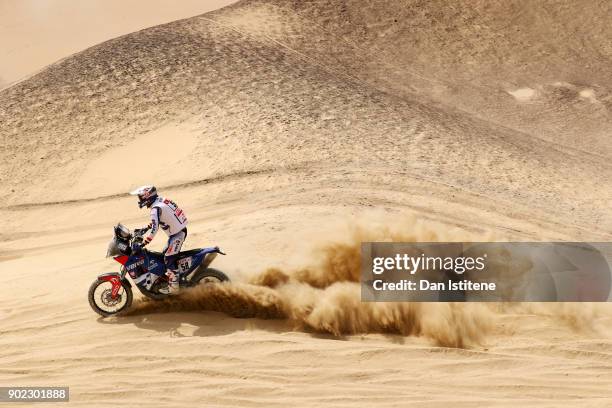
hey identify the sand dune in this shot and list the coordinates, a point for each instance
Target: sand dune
(281, 127)
(273, 107)
(36, 33)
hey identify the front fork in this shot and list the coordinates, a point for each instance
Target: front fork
(116, 280)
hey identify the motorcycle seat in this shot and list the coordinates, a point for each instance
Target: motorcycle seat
(191, 252)
(181, 254)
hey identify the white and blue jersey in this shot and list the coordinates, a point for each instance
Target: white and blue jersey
(165, 214)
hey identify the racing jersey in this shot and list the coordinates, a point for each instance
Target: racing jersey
(165, 214)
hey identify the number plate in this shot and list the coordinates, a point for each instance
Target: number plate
(184, 264)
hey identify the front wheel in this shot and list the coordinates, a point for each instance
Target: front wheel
(209, 275)
(102, 302)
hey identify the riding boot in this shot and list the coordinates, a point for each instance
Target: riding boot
(173, 283)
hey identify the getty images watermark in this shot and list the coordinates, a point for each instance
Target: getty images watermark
(486, 271)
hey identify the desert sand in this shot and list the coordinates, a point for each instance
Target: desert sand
(290, 132)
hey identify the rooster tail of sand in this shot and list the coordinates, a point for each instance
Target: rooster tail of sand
(324, 296)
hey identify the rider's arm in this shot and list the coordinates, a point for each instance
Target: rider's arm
(154, 225)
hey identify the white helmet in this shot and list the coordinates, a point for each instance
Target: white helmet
(146, 195)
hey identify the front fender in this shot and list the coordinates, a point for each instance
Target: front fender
(106, 277)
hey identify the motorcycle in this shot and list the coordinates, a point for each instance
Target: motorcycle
(111, 293)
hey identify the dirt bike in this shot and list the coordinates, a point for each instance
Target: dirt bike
(111, 293)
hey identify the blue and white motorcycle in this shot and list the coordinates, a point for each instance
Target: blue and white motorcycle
(111, 293)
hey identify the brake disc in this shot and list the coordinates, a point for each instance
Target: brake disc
(107, 298)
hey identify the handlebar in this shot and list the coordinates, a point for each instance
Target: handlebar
(139, 232)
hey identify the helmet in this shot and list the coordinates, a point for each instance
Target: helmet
(146, 195)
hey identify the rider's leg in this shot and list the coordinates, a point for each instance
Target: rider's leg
(172, 274)
(175, 242)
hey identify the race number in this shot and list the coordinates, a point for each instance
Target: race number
(184, 264)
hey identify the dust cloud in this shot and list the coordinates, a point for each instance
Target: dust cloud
(324, 297)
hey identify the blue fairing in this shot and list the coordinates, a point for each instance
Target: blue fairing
(156, 264)
(153, 262)
(144, 262)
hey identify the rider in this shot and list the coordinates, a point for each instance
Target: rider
(167, 215)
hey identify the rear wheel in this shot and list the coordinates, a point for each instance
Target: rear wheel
(102, 302)
(209, 275)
